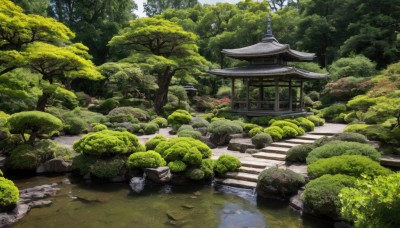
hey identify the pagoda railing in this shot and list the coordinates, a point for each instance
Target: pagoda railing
(267, 105)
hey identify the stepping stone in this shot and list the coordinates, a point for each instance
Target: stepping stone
(311, 137)
(254, 164)
(390, 160)
(236, 183)
(252, 170)
(300, 141)
(274, 149)
(271, 156)
(242, 176)
(283, 144)
(322, 133)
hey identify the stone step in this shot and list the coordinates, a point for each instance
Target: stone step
(266, 163)
(321, 133)
(274, 149)
(271, 156)
(299, 141)
(283, 144)
(251, 170)
(310, 137)
(390, 160)
(242, 176)
(236, 183)
(254, 164)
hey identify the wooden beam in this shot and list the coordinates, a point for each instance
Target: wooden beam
(276, 108)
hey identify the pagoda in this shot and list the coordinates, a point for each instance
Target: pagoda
(269, 85)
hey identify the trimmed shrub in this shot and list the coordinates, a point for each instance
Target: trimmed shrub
(138, 113)
(337, 148)
(9, 195)
(160, 121)
(177, 166)
(106, 106)
(318, 121)
(261, 120)
(99, 127)
(195, 174)
(299, 153)
(107, 142)
(153, 142)
(74, 125)
(373, 203)
(261, 139)
(82, 163)
(190, 133)
(122, 118)
(107, 169)
(306, 124)
(207, 166)
(321, 194)
(255, 131)
(289, 132)
(149, 128)
(226, 163)
(351, 165)
(149, 159)
(284, 123)
(276, 182)
(200, 122)
(29, 157)
(178, 118)
(351, 137)
(249, 126)
(225, 127)
(34, 123)
(333, 111)
(275, 132)
(185, 127)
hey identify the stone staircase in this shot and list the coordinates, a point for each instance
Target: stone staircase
(272, 155)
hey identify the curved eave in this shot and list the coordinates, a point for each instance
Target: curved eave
(266, 49)
(267, 71)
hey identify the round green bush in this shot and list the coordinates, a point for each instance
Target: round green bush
(177, 166)
(351, 137)
(160, 121)
(224, 127)
(149, 128)
(9, 195)
(226, 163)
(275, 132)
(276, 182)
(261, 139)
(179, 117)
(138, 113)
(195, 174)
(261, 120)
(106, 106)
(318, 121)
(29, 157)
(122, 118)
(351, 165)
(322, 194)
(306, 124)
(153, 142)
(338, 148)
(107, 169)
(289, 132)
(200, 122)
(190, 133)
(149, 159)
(284, 123)
(249, 126)
(357, 128)
(82, 163)
(185, 127)
(74, 126)
(299, 153)
(207, 166)
(99, 127)
(107, 142)
(255, 131)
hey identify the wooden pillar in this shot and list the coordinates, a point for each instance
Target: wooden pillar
(233, 94)
(261, 96)
(301, 95)
(290, 95)
(276, 109)
(247, 95)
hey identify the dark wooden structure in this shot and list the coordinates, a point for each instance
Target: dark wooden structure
(280, 86)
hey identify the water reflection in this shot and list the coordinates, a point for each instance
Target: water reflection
(235, 215)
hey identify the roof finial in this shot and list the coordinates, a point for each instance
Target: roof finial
(269, 36)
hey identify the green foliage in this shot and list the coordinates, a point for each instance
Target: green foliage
(322, 194)
(249, 126)
(160, 121)
(226, 163)
(179, 117)
(350, 137)
(200, 122)
(275, 132)
(207, 166)
(149, 128)
(177, 166)
(148, 159)
(185, 127)
(107, 169)
(138, 113)
(261, 120)
(74, 125)
(351, 165)
(195, 174)
(224, 127)
(289, 132)
(34, 123)
(106, 106)
(299, 153)
(153, 142)
(9, 195)
(189, 133)
(372, 203)
(338, 148)
(99, 127)
(333, 111)
(255, 131)
(356, 66)
(318, 121)
(82, 163)
(122, 118)
(278, 182)
(286, 123)
(357, 128)
(261, 139)
(29, 157)
(306, 124)
(107, 142)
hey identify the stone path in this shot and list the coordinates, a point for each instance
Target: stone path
(273, 155)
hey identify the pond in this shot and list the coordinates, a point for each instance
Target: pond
(90, 204)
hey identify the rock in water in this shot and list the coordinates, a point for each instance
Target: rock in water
(137, 184)
(158, 175)
(55, 165)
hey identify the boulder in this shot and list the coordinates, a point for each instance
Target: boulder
(55, 165)
(208, 142)
(220, 140)
(158, 175)
(251, 151)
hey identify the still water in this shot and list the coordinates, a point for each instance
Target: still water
(90, 204)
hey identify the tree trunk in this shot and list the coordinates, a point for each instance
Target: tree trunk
(41, 104)
(161, 97)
